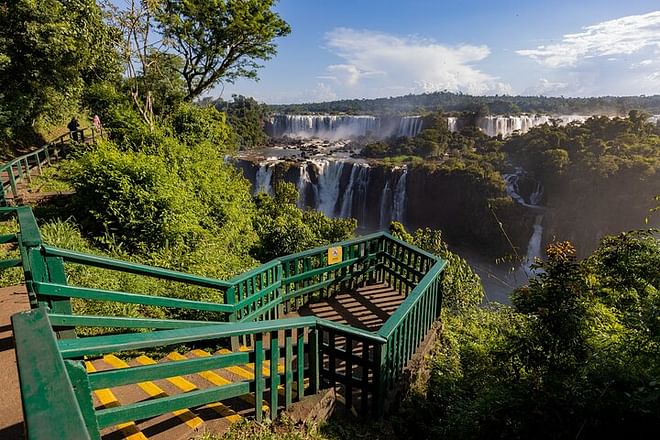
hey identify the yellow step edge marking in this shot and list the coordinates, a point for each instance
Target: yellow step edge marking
(186, 385)
(248, 368)
(153, 390)
(266, 368)
(108, 400)
(219, 380)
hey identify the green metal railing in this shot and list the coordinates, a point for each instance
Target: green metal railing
(18, 169)
(250, 311)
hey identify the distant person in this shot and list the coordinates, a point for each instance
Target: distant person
(73, 126)
(97, 124)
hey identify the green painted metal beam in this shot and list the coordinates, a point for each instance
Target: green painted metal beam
(155, 407)
(124, 376)
(404, 308)
(6, 264)
(97, 345)
(30, 235)
(50, 406)
(120, 322)
(139, 269)
(60, 290)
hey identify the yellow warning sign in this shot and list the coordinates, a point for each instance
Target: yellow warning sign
(334, 255)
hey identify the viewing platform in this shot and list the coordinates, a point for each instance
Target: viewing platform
(346, 317)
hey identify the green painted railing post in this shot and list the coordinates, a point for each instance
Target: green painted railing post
(274, 374)
(19, 167)
(259, 377)
(12, 182)
(46, 150)
(27, 170)
(56, 273)
(83, 393)
(230, 298)
(50, 406)
(314, 358)
(380, 382)
(300, 364)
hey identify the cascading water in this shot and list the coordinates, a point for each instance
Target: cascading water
(452, 124)
(323, 126)
(534, 246)
(329, 180)
(507, 125)
(304, 185)
(399, 199)
(512, 181)
(264, 178)
(333, 127)
(385, 206)
(355, 196)
(410, 126)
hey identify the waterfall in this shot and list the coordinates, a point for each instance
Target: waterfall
(410, 126)
(508, 125)
(535, 198)
(323, 126)
(399, 199)
(264, 179)
(305, 183)
(452, 124)
(511, 181)
(534, 246)
(329, 172)
(385, 206)
(356, 192)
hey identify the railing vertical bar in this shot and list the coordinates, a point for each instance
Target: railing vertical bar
(314, 379)
(258, 376)
(274, 374)
(300, 362)
(288, 368)
(364, 403)
(349, 372)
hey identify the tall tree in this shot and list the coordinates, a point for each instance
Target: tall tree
(49, 51)
(219, 40)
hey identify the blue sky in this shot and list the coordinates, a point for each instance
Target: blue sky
(363, 48)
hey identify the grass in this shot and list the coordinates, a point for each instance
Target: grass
(338, 428)
(51, 180)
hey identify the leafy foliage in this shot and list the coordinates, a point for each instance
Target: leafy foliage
(219, 40)
(284, 229)
(49, 52)
(247, 118)
(576, 356)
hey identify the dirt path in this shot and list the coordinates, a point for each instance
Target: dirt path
(13, 299)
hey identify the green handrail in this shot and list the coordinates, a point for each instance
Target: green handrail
(50, 407)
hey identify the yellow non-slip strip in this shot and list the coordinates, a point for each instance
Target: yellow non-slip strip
(247, 370)
(180, 382)
(155, 391)
(216, 379)
(108, 400)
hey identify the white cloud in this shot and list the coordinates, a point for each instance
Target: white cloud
(383, 61)
(622, 36)
(547, 87)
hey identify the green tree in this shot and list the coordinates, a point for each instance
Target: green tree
(285, 229)
(49, 52)
(247, 118)
(219, 40)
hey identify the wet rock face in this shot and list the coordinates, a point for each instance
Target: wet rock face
(456, 202)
